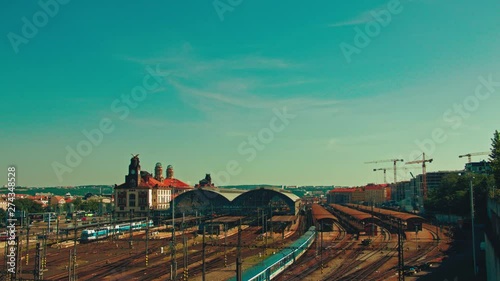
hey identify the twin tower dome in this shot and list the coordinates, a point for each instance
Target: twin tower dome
(159, 172)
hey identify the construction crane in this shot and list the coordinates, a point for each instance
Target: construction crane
(385, 170)
(424, 176)
(388, 169)
(473, 154)
(395, 161)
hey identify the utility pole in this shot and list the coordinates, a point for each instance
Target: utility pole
(44, 256)
(416, 236)
(401, 263)
(57, 231)
(147, 239)
(238, 258)
(18, 256)
(173, 272)
(271, 221)
(203, 268)
(130, 230)
(373, 224)
(38, 273)
(473, 227)
(185, 249)
(264, 230)
(321, 247)
(225, 244)
(70, 264)
(48, 225)
(73, 264)
(27, 240)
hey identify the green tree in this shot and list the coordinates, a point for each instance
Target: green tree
(90, 205)
(28, 205)
(453, 195)
(77, 203)
(495, 157)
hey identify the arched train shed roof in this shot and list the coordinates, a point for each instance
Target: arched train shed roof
(262, 196)
(200, 198)
(357, 214)
(219, 198)
(320, 213)
(388, 213)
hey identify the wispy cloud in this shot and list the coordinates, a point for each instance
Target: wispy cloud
(189, 62)
(221, 87)
(359, 19)
(248, 100)
(292, 83)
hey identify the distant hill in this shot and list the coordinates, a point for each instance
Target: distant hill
(250, 186)
(74, 190)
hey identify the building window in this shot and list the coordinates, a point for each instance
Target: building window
(131, 200)
(122, 199)
(143, 199)
(122, 208)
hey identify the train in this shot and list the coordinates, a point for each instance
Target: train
(97, 233)
(277, 263)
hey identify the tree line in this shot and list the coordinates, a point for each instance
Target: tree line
(453, 194)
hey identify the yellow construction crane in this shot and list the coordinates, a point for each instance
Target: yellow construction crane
(473, 154)
(395, 161)
(424, 175)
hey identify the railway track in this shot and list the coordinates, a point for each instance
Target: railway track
(310, 262)
(108, 260)
(428, 252)
(356, 258)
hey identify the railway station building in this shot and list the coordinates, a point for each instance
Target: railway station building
(143, 192)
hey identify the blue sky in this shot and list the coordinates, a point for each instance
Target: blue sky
(222, 77)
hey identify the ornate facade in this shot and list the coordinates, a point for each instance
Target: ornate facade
(143, 192)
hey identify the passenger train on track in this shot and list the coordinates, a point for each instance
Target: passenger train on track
(277, 263)
(93, 234)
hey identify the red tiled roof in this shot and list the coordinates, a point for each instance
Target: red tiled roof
(343, 190)
(176, 184)
(150, 182)
(376, 187)
(37, 197)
